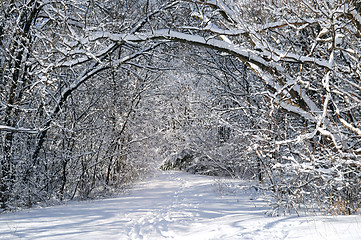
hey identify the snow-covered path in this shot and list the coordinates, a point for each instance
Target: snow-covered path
(172, 205)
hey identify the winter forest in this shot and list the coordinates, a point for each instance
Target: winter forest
(94, 94)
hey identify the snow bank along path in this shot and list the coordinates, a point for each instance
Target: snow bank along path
(172, 205)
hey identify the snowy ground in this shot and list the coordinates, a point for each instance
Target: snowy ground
(172, 205)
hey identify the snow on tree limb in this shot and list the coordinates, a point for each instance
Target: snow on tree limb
(245, 54)
(264, 67)
(18, 130)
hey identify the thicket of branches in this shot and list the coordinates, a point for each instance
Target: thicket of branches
(70, 116)
(93, 91)
(296, 119)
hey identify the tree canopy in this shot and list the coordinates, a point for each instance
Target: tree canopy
(92, 92)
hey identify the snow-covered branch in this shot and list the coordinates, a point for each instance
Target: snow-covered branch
(18, 130)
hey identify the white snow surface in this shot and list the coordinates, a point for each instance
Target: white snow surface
(174, 205)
